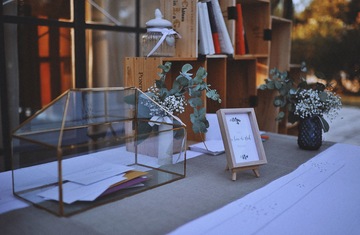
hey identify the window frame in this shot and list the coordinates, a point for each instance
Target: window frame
(79, 26)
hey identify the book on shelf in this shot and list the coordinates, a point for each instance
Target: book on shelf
(224, 38)
(213, 27)
(206, 45)
(240, 47)
(203, 41)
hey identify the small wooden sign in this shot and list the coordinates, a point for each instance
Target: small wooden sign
(242, 141)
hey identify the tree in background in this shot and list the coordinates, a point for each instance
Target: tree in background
(327, 36)
(350, 44)
(282, 8)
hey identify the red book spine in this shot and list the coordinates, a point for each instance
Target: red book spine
(214, 30)
(240, 38)
(216, 41)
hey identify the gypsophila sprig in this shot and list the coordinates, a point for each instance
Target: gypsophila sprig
(302, 100)
(172, 104)
(314, 102)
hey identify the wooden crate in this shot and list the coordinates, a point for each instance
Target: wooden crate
(141, 72)
(256, 20)
(266, 112)
(280, 43)
(240, 86)
(262, 70)
(183, 15)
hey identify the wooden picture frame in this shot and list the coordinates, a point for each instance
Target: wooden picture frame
(242, 141)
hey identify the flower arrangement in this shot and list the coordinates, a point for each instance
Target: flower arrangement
(174, 100)
(170, 105)
(301, 99)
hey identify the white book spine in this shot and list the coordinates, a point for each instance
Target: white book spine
(203, 42)
(224, 38)
(208, 29)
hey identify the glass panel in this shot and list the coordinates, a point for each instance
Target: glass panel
(38, 67)
(52, 9)
(9, 7)
(120, 12)
(45, 65)
(12, 73)
(106, 53)
(55, 59)
(95, 139)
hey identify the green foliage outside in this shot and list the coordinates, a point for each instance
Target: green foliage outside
(327, 36)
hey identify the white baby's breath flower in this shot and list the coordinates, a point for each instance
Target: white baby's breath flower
(310, 104)
(174, 104)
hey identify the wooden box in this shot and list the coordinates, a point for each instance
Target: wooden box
(183, 15)
(280, 43)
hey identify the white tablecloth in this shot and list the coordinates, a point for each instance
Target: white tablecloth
(320, 197)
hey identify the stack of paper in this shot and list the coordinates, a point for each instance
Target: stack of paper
(212, 147)
(93, 182)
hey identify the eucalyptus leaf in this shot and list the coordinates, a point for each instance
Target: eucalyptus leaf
(167, 67)
(202, 113)
(283, 91)
(176, 86)
(193, 117)
(263, 87)
(186, 68)
(292, 91)
(278, 85)
(195, 92)
(323, 96)
(278, 101)
(159, 84)
(201, 73)
(325, 124)
(283, 76)
(270, 85)
(212, 94)
(195, 102)
(280, 116)
(199, 127)
(183, 81)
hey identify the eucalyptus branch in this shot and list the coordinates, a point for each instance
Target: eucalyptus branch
(301, 99)
(185, 82)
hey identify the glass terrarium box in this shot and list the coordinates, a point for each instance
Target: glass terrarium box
(93, 146)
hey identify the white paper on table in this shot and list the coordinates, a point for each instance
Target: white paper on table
(97, 173)
(320, 197)
(76, 192)
(213, 132)
(210, 147)
(46, 174)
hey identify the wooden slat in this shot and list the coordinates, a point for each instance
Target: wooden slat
(183, 15)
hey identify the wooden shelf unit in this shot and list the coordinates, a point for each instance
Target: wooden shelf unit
(279, 58)
(235, 77)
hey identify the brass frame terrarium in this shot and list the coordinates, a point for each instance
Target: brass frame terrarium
(88, 136)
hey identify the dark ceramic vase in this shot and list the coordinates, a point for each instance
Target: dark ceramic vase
(310, 133)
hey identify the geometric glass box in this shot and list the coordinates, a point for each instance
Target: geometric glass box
(93, 146)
